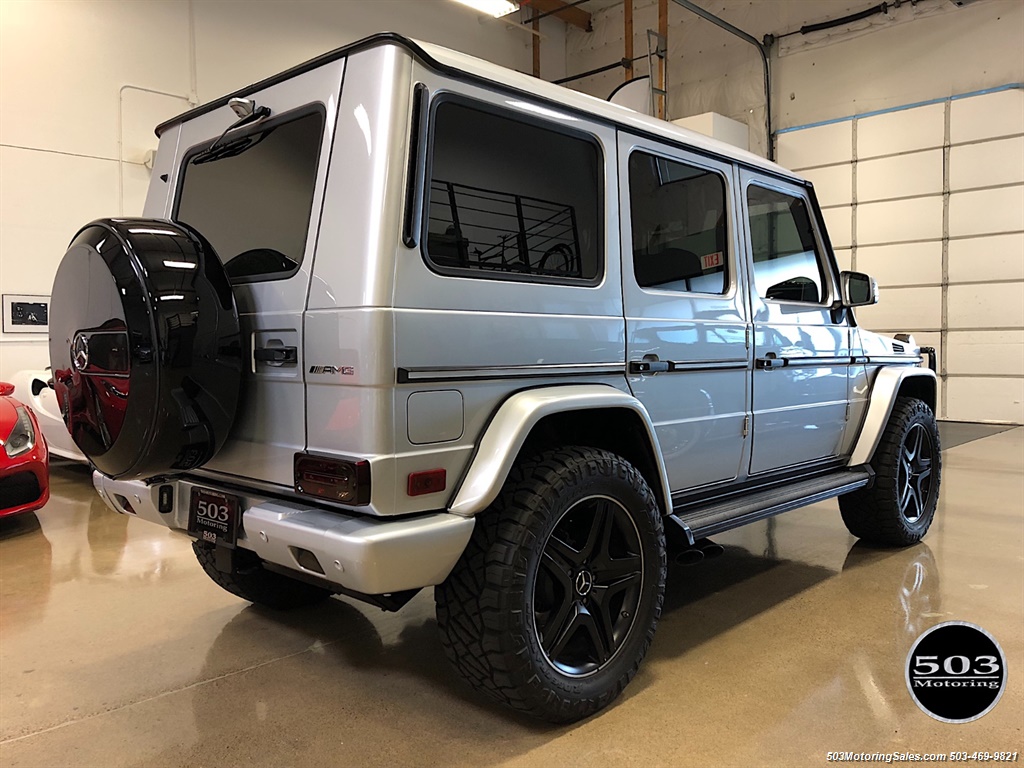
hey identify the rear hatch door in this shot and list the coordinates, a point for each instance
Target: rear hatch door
(255, 192)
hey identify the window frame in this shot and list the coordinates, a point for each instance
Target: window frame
(729, 275)
(823, 254)
(275, 121)
(440, 98)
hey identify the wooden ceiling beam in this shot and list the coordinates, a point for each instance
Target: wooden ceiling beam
(569, 14)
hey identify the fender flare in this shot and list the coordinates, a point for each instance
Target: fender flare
(884, 391)
(515, 419)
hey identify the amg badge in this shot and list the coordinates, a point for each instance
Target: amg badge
(344, 370)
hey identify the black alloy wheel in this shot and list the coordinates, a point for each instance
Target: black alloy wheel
(587, 590)
(914, 478)
(898, 508)
(554, 602)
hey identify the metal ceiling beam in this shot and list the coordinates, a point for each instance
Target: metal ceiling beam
(567, 12)
(762, 49)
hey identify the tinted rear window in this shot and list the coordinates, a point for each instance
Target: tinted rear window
(251, 197)
(678, 218)
(512, 199)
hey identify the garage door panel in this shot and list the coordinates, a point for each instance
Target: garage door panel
(999, 257)
(839, 222)
(986, 164)
(904, 176)
(989, 352)
(903, 264)
(987, 305)
(833, 185)
(905, 309)
(902, 131)
(986, 211)
(985, 399)
(844, 258)
(899, 221)
(824, 145)
(982, 117)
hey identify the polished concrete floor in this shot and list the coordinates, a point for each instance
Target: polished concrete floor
(116, 650)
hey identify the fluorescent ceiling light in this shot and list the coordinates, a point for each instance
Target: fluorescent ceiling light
(495, 8)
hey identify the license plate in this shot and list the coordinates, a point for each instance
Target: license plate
(213, 517)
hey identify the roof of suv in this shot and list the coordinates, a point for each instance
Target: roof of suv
(562, 99)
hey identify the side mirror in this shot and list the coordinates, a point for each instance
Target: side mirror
(858, 289)
(6, 389)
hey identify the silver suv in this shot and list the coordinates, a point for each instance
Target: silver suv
(398, 318)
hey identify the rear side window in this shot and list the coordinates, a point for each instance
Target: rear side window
(678, 220)
(510, 199)
(251, 196)
(787, 264)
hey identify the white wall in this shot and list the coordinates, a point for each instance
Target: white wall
(930, 49)
(83, 83)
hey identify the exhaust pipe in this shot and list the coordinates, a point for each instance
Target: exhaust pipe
(702, 549)
(709, 549)
(690, 556)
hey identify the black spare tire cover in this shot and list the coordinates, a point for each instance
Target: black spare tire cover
(144, 347)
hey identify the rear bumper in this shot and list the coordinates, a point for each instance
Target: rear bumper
(369, 555)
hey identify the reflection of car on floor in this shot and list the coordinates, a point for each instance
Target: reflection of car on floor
(24, 460)
(32, 387)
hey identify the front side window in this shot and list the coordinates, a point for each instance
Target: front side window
(251, 196)
(678, 220)
(787, 263)
(509, 199)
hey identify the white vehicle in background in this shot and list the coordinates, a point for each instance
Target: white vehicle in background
(32, 387)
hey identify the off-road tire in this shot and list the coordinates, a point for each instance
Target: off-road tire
(486, 607)
(250, 581)
(879, 514)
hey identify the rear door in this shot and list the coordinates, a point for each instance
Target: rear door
(686, 323)
(801, 348)
(257, 197)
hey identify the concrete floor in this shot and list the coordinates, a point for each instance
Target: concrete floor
(116, 650)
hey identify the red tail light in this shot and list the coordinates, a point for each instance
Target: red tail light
(430, 481)
(332, 479)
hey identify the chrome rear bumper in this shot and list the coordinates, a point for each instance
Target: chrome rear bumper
(366, 554)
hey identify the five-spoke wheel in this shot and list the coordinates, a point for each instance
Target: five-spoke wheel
(554, 603)
(899, 507)
(588, 586)
(915, 472)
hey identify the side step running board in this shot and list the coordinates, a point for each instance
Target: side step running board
(731, 513)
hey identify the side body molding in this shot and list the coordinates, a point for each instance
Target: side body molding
(514, 420)
(883, 396)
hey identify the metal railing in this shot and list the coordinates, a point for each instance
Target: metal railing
(475, 228)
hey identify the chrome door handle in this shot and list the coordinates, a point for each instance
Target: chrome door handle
(770, 361)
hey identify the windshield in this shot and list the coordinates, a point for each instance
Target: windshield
(251, 197)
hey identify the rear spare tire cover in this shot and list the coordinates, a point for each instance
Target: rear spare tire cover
(144, 347)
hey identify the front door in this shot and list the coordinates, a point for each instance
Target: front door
(686, 330)
(801, 351)
(255, 193)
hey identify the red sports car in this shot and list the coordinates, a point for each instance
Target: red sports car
(24, 460)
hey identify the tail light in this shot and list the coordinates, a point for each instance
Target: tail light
(330, 479)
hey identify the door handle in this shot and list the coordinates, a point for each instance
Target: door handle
(279, 355)
(649, 366)
(770, 361)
